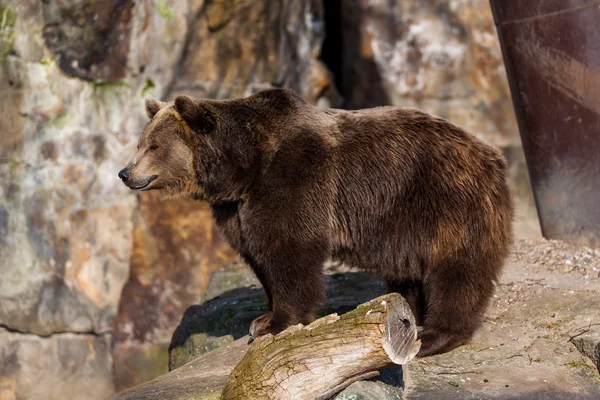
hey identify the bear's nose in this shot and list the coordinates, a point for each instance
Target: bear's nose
(124, 174)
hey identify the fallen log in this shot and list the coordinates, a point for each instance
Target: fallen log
(303, 362)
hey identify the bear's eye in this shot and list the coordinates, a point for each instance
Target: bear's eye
(154, 147)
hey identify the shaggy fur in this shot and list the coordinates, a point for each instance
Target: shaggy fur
(393, 191)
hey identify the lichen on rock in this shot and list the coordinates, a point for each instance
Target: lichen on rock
(8, 17)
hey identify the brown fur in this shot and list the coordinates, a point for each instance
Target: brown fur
(393, 191)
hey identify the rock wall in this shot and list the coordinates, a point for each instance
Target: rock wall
(59, 366)
(84, 262)
(175, 248)
(72, 79)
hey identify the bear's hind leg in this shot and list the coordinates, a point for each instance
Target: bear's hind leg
(412, 291)
(457, 296)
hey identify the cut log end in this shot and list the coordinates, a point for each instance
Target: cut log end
(401, 343)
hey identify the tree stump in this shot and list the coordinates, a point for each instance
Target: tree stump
(303, 362)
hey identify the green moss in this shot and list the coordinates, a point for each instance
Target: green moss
(15, 166)
(225, 323)
(9, 15)
(104, 86)
(47, 61)
(556, 324)
(149, 86)
(577, 364)
(254, 308)
(163, 9)
(8, 18)
(62, 120)
(89, 34)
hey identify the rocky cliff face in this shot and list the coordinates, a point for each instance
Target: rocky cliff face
(72, 75)
(83, 261)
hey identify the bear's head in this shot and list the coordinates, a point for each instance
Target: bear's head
(200, 149)
(164, 160)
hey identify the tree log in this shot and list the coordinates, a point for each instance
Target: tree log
(319, 360)
(311, 362)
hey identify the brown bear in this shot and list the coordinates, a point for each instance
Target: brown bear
(394, 191)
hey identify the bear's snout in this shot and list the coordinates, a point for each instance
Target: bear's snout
(124, 175)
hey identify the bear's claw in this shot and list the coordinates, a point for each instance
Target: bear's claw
(260, 326)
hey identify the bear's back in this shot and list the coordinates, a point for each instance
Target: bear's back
(418, 184)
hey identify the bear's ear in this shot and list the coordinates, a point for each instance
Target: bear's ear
(153, 106)
(197, 116)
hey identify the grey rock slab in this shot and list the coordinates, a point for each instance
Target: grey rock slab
(202, 378)
(588, 344)
(61, 366)
(367, 390)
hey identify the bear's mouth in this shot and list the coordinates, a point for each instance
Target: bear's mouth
(143, 184)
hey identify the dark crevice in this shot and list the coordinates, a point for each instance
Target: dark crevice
(356, 75)
(332, 49)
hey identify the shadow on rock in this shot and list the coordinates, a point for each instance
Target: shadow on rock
(206, 326)
(228, 316)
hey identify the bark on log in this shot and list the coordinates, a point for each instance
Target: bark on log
(312, 362)
(319, 360)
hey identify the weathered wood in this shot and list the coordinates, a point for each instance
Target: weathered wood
(321, 359)
(311, 362)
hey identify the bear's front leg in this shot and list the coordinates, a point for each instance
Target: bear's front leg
(286, 235)
(297, 290)
(292, 277)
